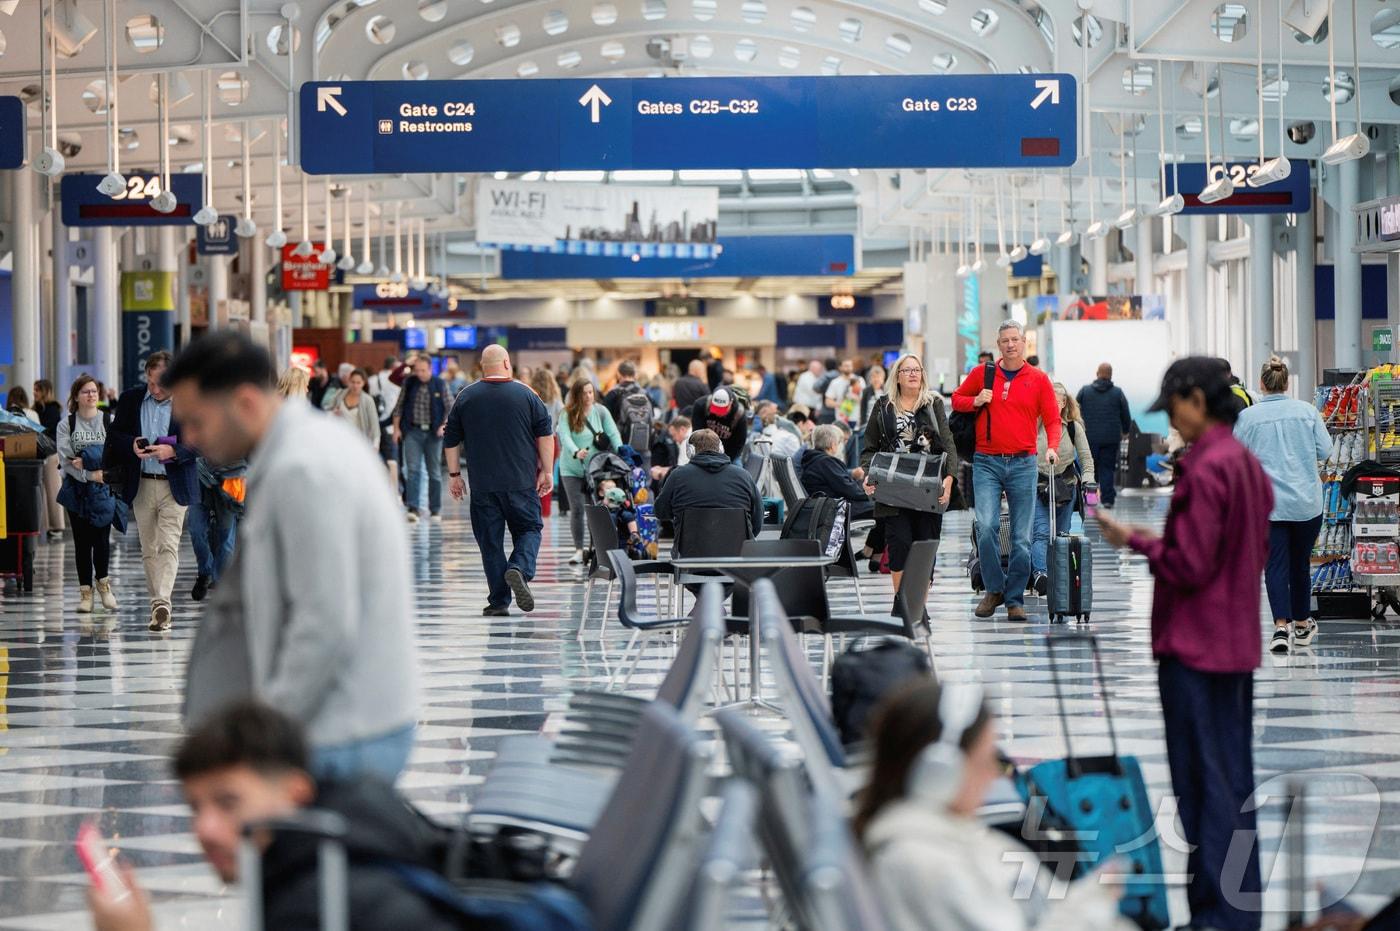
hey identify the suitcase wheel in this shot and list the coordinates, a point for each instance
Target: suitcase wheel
(1083, 618)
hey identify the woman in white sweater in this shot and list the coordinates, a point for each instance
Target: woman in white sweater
(355, 405)
(936, 865)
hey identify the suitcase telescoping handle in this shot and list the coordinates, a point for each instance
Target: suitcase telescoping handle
(1050, 506)
(1074, 765)
(333, 886)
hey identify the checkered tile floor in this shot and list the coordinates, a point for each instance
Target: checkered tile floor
(89, 712)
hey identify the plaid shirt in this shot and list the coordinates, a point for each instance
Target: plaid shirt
(422, 414)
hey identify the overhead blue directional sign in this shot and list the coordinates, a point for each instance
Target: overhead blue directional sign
(217, 238)
(1291, 195)
(85, 205)
(12, 132)
(888, 121)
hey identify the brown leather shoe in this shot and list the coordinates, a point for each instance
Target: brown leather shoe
(988, 605)
(1016, 613)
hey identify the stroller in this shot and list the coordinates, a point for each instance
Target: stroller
(624, 466)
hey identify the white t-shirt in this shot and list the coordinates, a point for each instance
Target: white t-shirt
(837, 390)
(805, 392)
(381, 387)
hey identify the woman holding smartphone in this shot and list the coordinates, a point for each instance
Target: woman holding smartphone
(91, 506)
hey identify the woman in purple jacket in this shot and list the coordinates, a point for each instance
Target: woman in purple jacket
(1205, 636)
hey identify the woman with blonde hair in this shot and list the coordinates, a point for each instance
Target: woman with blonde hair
(547, 387)
(1073, 471)
(584, 429)
(910, 418)
(294, 383)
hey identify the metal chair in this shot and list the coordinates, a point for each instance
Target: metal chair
(910, 603)
(603, 532)
(638, 621)
(836, 889)
(707, 532)
(637, 860)
(728, 854)
(786, 471)
(845, 567)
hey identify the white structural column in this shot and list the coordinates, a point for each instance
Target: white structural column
(1304, 299)
(294, 305)
(24, 225)
(182, 292)
(62, 303)
(1347, 268)
(1142, 258)
(103, 312)
(217, 266)
(1098, 266)
(1261, 293)
(1197, 268)
(257, 275)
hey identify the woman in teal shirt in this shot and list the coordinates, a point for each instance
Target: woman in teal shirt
(1288, 438)
(581, 424)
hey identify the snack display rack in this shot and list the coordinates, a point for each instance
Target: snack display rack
(1356, 560)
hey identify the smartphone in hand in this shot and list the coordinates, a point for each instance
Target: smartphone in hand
(142, 442)
(100, 862)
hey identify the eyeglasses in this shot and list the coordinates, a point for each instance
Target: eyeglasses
(909, 371)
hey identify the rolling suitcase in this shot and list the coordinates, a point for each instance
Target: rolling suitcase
(1070, 565)
(974, 560)
(1104, 799)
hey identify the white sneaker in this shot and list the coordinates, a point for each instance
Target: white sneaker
(1303, 636)
(413, 517)
(436, 518)
(577, 558)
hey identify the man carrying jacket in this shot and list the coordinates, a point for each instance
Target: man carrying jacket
(158, 479)
(1104, 410)
(1009, 415)
(710, 480)
(250, 763)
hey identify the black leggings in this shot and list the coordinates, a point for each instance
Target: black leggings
(92, 546)
(904, 528)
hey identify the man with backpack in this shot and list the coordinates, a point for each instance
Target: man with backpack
(631, 408)
(1008, 403)
(1104, 409)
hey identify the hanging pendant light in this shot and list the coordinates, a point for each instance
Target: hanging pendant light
(277, 238)
(165, 201)
(1170, 203)
(328, 252)
(1041, 244)
(246, 228)
(1357, 145)
(304, 248)
(1221, 187)
(1270, 170)
(1018, 251)
(207, 214)
(366, 267)
(397, 275)
(347, 261)
(112, 183)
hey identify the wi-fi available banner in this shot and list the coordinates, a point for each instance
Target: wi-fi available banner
(533, 213)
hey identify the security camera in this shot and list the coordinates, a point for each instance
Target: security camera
(277, 239)
(1347, 149)
(1019, 253)
(327, 254)
(1040, 246)
(112, 185)
(1217, 190)
(206, 216)
(346, 263)
(245, 228)
(1169, 206)
(164, 202)
(365, 268)
(1271, 171)
(49, 162)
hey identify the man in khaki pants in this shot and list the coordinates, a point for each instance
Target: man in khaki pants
(158, 479)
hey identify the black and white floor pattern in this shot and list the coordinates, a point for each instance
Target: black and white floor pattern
(89, 713)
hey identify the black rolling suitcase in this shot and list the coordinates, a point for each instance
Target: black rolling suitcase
(1070, 565)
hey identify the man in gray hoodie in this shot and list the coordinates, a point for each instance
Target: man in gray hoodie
(323, 633)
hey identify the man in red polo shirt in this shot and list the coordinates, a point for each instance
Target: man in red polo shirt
(1009, 415)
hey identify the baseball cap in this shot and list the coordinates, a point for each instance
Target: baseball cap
(1183, 376)
(720, 402)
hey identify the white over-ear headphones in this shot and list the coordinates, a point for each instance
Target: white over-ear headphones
(937, 771)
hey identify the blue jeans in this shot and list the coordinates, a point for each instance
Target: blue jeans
(212, 532)
(1040, 541)
(384, 757)
(422, 449)
(1014, 476)
(1287, 576)
(494, 512)
(1209, 720)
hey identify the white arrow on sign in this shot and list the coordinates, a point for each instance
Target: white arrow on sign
(593, 98)
(1049, 89)
(330, 97)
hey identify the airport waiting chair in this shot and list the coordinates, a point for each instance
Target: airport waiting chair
(837, 892)
(644, 624)
(603, 533)
(706, 532)
(910, 604)
(638, 859)
(729, 853)
(560, 788)
(788, 482)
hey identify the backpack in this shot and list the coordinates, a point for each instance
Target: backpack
(861, 677)
(380, 407)
(964, 425)
(819, 518)
(634, 421)
(493, 905)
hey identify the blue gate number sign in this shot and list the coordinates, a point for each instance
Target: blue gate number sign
(12, 132)
(85, 205)
(1291, 195)
(888, 121)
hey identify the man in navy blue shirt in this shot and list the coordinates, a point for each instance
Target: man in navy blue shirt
(507, 437)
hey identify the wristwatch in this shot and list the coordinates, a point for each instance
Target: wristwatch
(454, 474)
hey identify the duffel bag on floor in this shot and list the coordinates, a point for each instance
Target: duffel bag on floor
(861, 677)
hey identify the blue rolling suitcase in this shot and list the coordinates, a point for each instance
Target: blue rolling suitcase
(1104, 800)
(1070, 566)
